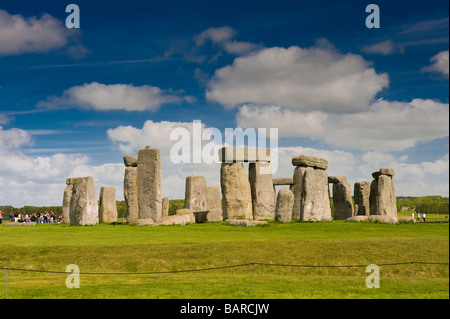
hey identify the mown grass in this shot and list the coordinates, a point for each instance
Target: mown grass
(130, 249)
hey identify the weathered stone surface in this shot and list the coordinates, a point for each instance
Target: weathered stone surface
(195, 193)
(282, 181)
(130, 193)
(260, 177)
(182, 217)
(213, 198)
(214, 215)
(201, 217)
(382, 196)
(285, 202)
(383, 171)
(315, 200)
(66, 203)
(335, 179)
(83, 201)
(297, 190)
(310, 161)
(130, 161)
(383, 219)
(245, 222)
(236, 192)
(108, 208)
(149, 184)
(244, 154)
(361, 194)
(406, 219)
(342, 199)
(165, 207)
(358, 219)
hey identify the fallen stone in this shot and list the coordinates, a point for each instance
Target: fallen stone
(285, 202)
(358, 219)
(383, 219)
(20, 224)
(310, 161)
(406, 219)
(245, 222)
(214, 215)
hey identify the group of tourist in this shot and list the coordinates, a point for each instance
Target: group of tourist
(43, 218)
(418, 216)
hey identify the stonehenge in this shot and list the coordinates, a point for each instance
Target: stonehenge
(242, 198)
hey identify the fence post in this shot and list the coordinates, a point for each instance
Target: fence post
(251, 277)
(412, 276)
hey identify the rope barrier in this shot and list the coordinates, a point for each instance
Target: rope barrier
(223, 267)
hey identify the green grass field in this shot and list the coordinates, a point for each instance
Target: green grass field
(129, 249)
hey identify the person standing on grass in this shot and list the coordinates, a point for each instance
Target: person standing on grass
(1, 217)
(423, 216)
(412, 214)
(418, 217)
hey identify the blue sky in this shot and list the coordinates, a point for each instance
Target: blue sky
(74, 101)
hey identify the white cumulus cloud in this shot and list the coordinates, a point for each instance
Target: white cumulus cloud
(313, 79)
(104, 97)
(439, 63)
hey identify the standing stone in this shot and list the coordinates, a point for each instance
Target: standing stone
(213, 204)
(130, 194)
(66, 204)
(382, 193)
(342, 199)
(285, 202)
(195, 193)
(149, 184)
(361, 194)
(213, 199)
(315, 200)
(83, 201)
(236, 192)
(260, 177)
(108, 208)
(165, 207)
(297, 190)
